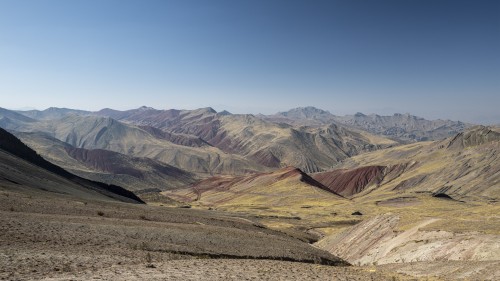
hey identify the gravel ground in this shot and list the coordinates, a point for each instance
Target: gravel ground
(222, 269)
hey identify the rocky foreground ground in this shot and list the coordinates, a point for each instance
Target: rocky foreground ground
(59, 238)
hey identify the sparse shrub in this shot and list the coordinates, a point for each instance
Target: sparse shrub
(66, 267)
(12, 209)
(149, 261)
(144, 247)
(100, 213)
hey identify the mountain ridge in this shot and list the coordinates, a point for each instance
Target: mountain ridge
(133, 173)
(402, 127)
(12, 145)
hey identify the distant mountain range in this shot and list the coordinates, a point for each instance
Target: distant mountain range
(201, 141)
(400, 127)
(52, 113)
(148, 149)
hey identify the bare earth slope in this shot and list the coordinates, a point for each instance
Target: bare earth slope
(22, 169)
(349, 182)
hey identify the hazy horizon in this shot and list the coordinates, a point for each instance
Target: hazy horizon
(222, 108)
(433, 59)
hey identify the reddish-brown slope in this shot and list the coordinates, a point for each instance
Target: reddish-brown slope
(220, 183)
(116, 163)
(352, 181)
(102, 160)
(291, 172)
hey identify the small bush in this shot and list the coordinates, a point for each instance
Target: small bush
(100, 213)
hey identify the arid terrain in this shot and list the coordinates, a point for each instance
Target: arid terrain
(250, 140)
(46, 237)
(151, 194)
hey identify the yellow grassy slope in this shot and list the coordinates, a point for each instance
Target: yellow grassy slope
(278, 199)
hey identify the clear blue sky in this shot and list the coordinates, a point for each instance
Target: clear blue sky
(432, 58)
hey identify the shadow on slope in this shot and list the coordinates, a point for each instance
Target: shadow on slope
(12, 145)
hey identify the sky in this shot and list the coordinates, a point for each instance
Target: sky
(431, 58)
